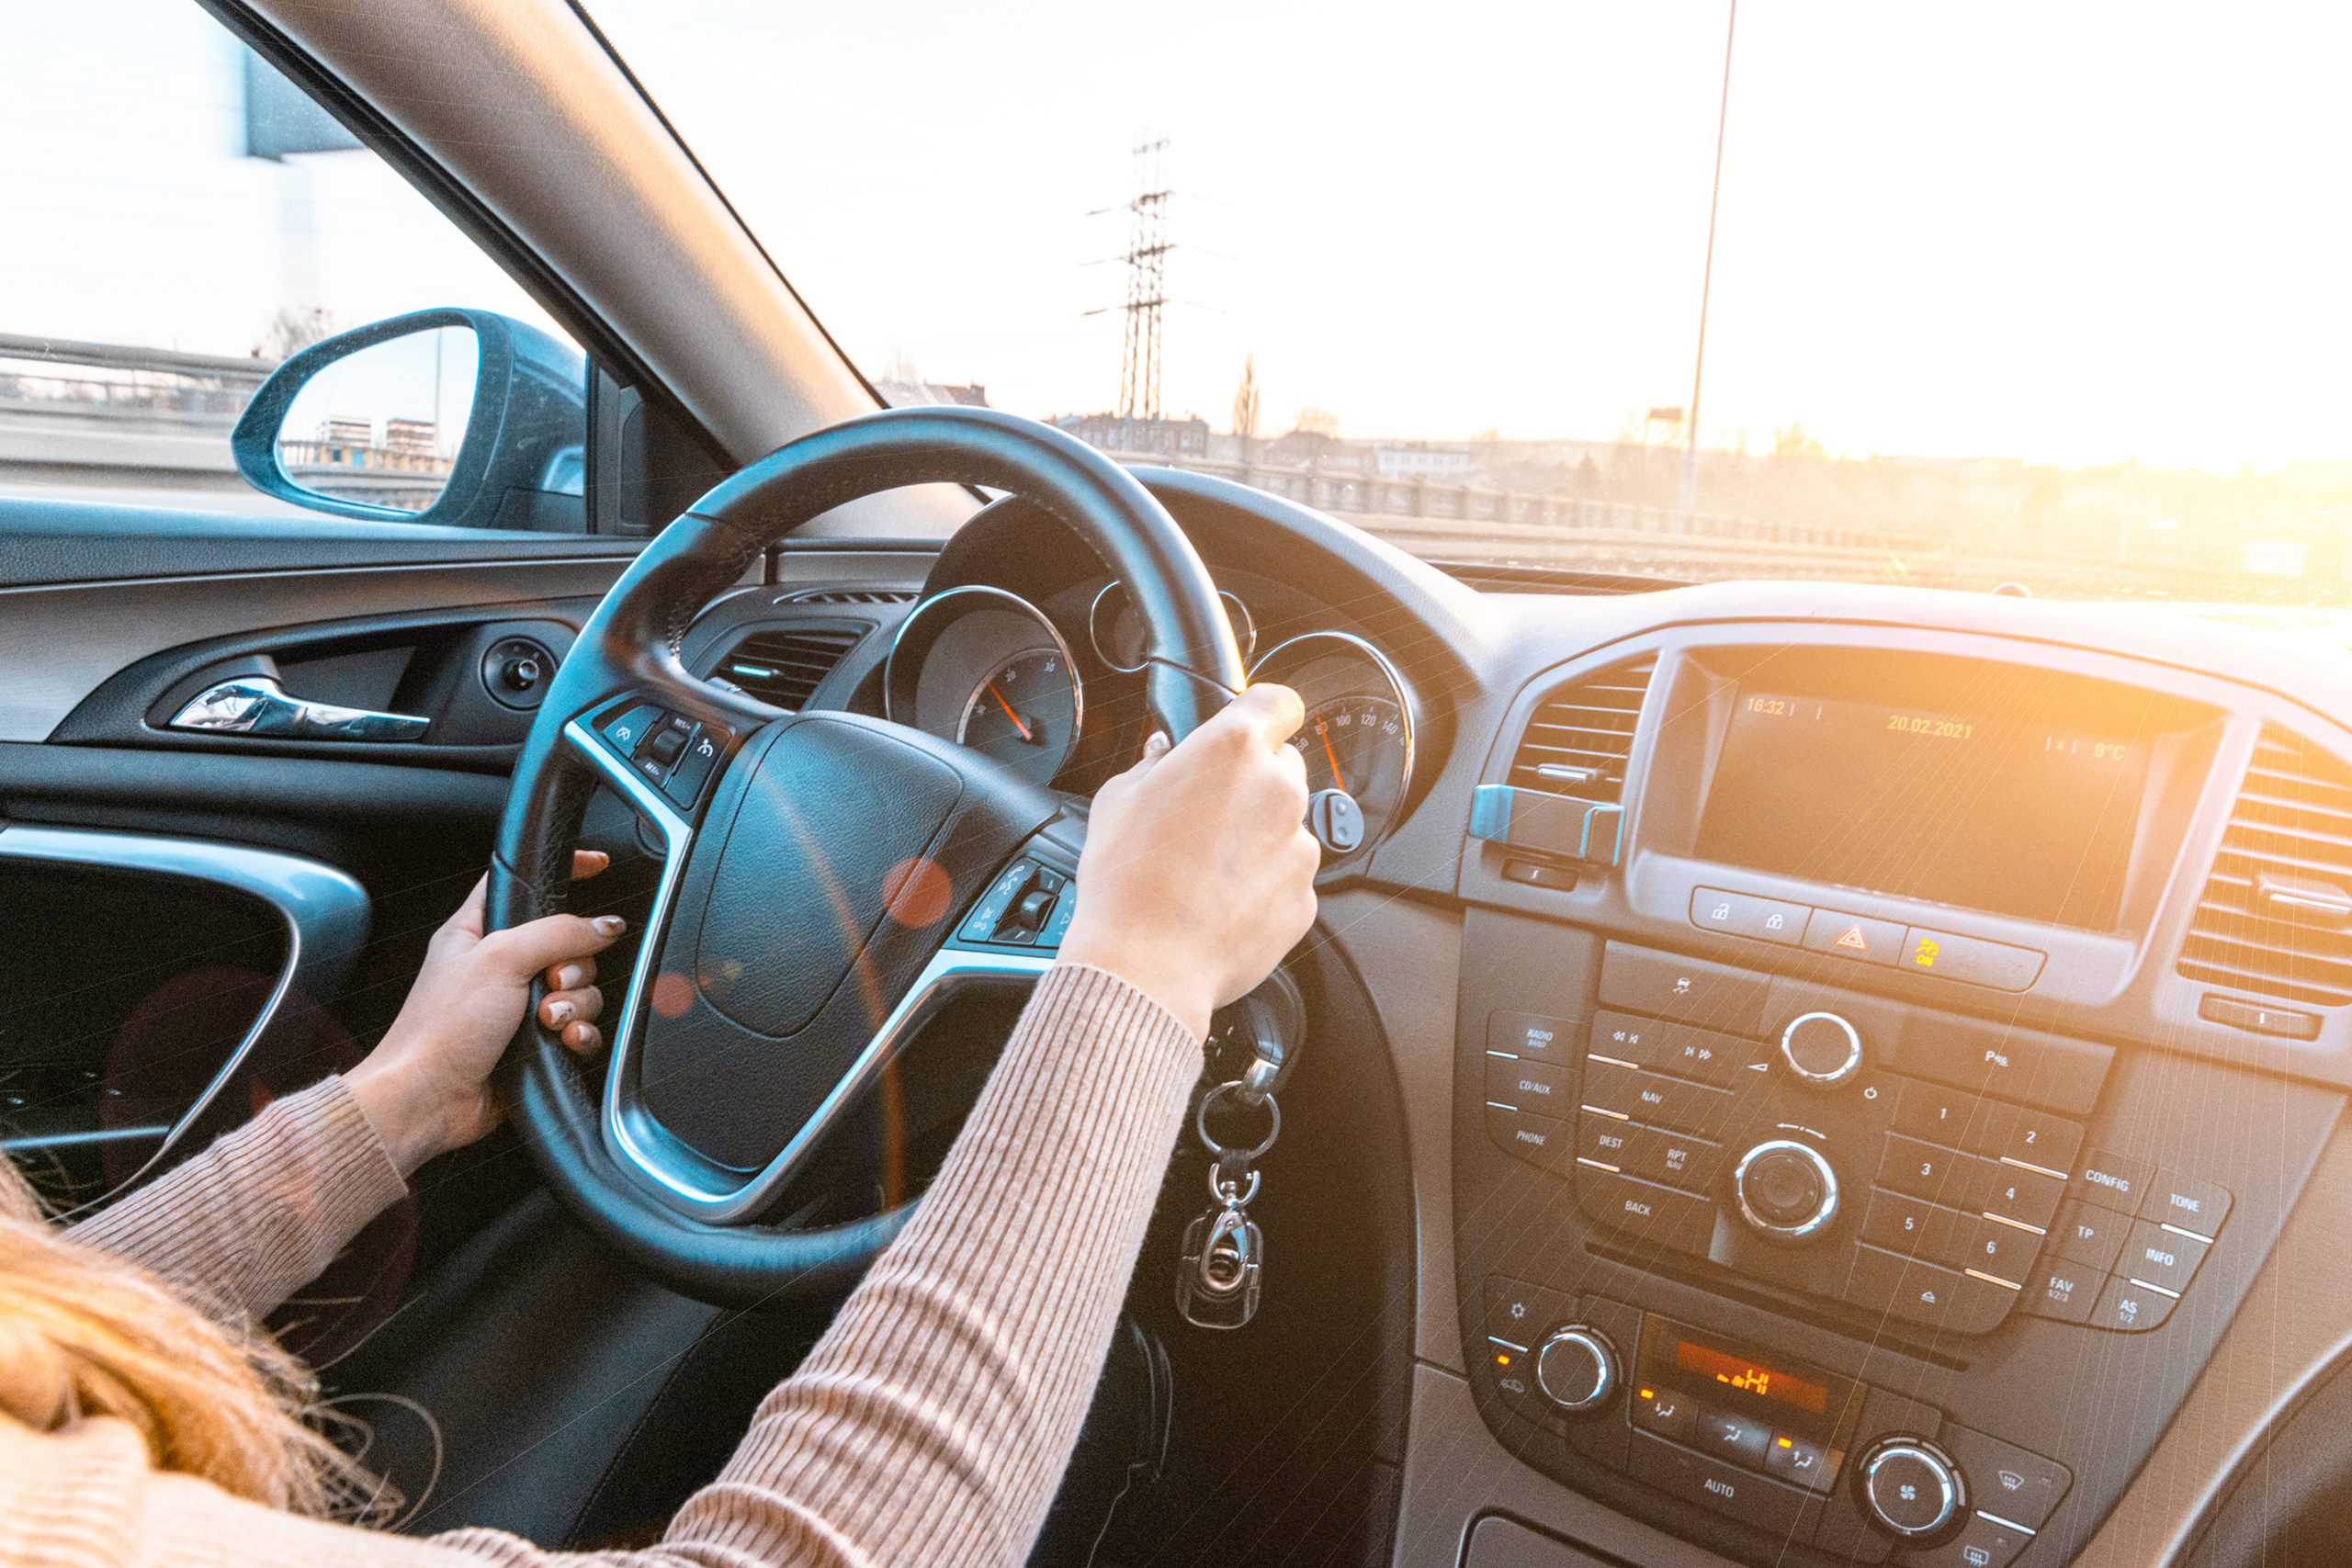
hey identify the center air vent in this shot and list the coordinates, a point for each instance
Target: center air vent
(1580, 736)
(784, 668)
(848, 596)
(2276, 914)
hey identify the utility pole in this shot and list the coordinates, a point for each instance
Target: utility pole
(1707, 280)
(1147, 260)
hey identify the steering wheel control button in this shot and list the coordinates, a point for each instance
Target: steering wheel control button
(1786, 1189)
(1745, 914)
(1713, 996)
(1821, 1049)
(1857, 937)
(2007, 1481)
(1719, 1488)
(1912, 1490)
(695, 762)
(1577, 1368)
(1700, 1054)
(628, 731)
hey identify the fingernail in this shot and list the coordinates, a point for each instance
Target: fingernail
(559, 1014)
(567, 976)
(611, 925)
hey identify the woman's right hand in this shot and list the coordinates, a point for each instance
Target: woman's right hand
(1199, 872)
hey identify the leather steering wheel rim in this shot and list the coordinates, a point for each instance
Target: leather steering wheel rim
(630, 644)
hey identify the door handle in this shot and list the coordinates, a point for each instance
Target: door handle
(257, 704)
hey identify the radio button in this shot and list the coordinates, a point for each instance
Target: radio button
(2002, 1479)
(1713, 996)
(2110, 1181)
(1538, 1087)
(1663, 1411)
(1538, 1140)
(2158, 1257)
(1719, 1488)
(2184, 1201)
(1534, 1035)
(1655, 1098)
(1926, 1294)
(1745, 914)
(2130, 1307)
(2012, 1192)
(1854, 936)
(2064, 1293)
(1677, 1048)
(1659, 1216)
(2092, 1237)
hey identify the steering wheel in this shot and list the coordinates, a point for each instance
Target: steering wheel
(818, 865)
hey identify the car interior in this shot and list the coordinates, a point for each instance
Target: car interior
(1786, 1072)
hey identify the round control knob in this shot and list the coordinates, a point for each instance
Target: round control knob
(1821, 1049)
(520, 674)
(1576, 1368)
(1786, 1189)
(1911, 1488)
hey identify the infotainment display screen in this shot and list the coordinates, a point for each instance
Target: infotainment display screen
(2005, 803)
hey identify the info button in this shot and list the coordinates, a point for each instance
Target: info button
(1854, 936)
(1745, 914)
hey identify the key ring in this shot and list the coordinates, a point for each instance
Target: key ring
(1220, 1193)
(1235, 1087)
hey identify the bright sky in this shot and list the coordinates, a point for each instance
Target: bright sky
(2071, 232)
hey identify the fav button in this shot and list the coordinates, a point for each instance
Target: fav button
(1745, 914)
(1854, 936)
(2064, 1292)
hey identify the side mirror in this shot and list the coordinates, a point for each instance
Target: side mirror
(451, 416)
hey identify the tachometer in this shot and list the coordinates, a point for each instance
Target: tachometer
(987, 670)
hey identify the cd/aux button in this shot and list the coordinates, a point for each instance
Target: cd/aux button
(1529, 1084)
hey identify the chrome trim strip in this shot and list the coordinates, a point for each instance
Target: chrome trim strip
(635, 1140)
(1600, 1111)
(2038, 1170)
(1992, 1278)
(1598, 1165)
(1612, 1061)
(2014, 1224)
(2004, 1524)
(324, 911)
(2189, 1235)
(2158, 1289)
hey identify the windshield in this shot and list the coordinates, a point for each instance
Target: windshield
(1992, 293)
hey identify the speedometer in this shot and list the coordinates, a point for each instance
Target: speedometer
(1358, 734)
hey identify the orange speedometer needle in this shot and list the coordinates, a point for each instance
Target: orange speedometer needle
(1323, 732)
(1017, 722)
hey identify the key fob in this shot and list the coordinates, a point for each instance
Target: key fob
(1219, 1272)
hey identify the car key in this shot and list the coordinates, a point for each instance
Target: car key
(1221, 1264)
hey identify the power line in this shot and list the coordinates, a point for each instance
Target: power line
(1145, 259)
(1707, 280)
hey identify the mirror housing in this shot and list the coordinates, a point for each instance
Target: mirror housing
(523, 462)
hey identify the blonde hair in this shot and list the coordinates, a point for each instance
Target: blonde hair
(84, 1335)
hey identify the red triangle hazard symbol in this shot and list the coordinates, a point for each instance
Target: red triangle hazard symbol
(1855, 939)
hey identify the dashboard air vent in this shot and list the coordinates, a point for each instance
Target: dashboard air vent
(2276, 914)
(1580, 736)
(848, 596)
(783, 666)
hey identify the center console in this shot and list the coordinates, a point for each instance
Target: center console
(1849, 1167)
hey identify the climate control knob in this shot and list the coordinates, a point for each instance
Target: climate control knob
(1911, 1488)
(1577, 1368)
(1821, 1049)
(1786, 1189)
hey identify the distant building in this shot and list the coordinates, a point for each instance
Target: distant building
(1421, 461)
(1153, 437)
(1301, 447)
(422, 437)
(932, 394)
(342, 429)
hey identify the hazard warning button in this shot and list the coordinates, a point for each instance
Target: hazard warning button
(1855, 936)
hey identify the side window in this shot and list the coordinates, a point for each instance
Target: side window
(214, 298)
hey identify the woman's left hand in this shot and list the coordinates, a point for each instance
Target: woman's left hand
(426, 1085)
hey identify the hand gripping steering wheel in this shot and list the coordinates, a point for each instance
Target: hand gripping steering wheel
(804, 921)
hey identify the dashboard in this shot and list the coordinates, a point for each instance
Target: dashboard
(1860, 1046)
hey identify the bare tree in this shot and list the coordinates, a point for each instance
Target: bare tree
(293, 328)
(1245, 400)
(1317, 422)
(1792, 440)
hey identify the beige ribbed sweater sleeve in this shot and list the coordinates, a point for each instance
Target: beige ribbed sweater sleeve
(245, 1223)
(928, 1430)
